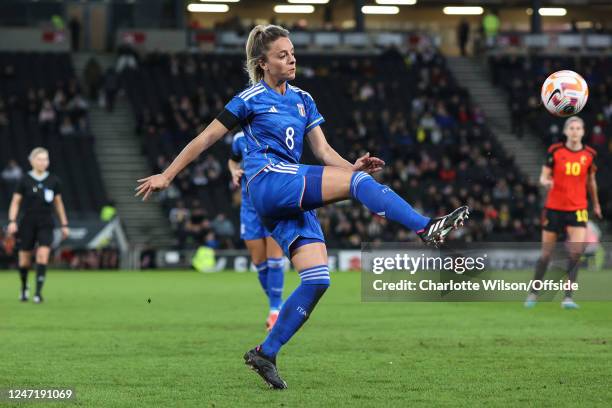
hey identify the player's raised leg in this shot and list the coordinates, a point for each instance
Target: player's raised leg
(340, 183)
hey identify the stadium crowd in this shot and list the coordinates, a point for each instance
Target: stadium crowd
(407, 109)
(61, 110)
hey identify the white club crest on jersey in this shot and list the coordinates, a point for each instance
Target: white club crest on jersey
(302, 110)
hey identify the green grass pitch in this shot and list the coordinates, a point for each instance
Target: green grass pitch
(97, 333)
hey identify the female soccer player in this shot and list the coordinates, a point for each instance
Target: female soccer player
(275, 117)
(265, 253)
(35, 196)
(568, 172)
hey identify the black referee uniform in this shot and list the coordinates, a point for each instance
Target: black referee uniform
(36, 209)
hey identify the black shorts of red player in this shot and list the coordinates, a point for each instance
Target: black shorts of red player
(558, 221)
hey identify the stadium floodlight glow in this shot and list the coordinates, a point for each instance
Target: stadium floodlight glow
(220, 1)
(380, 10)
(396, 2)
(294, 9)
(552, 11)
(308, 1)
(207, 8)
(463, 11)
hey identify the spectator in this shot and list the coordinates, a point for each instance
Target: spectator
(67, 127)
(179, 215)
(111, 86)
(59, 101)
(223, 229)
(108, 211)
(490, 23)
(93, 78)
(77, 107)
(222, 226)
(463, 35)
(75, 33)
(12, 173)
(127, 58)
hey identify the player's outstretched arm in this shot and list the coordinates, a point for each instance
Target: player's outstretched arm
(329, 157)
(199, 144)
(592, 188)
(13, 211)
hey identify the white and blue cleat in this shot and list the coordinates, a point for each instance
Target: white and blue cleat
(569, 304)
(531, 301)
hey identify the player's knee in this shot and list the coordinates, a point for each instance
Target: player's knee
(317, 276)
(258, 257)
(42, 258)
(357, 178)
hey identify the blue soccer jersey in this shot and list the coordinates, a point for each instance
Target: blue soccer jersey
(274, 124)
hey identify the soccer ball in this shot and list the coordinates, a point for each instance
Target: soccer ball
(564, 93)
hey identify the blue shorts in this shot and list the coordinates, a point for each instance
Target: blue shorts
(251, 226)
(285, 196)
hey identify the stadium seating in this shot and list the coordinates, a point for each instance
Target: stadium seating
(406, 109)
(26, 81)
(523, 77)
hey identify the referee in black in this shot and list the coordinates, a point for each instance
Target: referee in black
(34, 198)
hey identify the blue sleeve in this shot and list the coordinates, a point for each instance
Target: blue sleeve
(238, 107)
(237, 148)
(313, 115)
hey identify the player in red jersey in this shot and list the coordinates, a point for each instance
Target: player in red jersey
(568, 173)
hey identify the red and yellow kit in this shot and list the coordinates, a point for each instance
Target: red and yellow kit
(569, 172)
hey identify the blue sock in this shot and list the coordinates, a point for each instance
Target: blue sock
(297, 308)
(276, 277)
(385, 202)
(262, 274)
